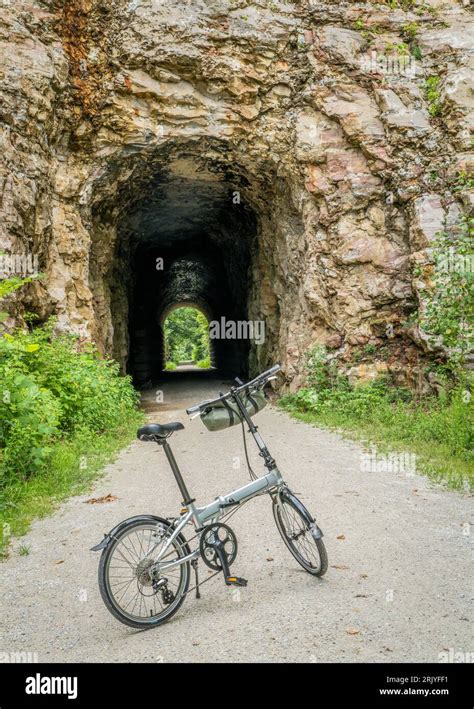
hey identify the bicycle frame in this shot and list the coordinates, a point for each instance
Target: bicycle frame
(213, 511)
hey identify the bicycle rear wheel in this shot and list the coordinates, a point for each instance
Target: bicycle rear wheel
(297, 529)
(128, 588)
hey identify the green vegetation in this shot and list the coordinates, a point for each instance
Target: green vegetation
(420, 8)
(432, 95)
(402, 48)
(368, 33)
(186, 333)
(63, 411)
(10, 285)
(410, 30)
(74, 464)
(204, 363)
(439, 430)
(448, 315)
(400, 4)
(463, 182)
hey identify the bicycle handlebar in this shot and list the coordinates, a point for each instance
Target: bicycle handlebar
(259, 380)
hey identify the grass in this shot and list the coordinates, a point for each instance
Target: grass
(439, 432)
(74, 465)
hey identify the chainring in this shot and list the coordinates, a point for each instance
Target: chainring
(211, 534)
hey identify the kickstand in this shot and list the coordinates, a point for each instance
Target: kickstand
(194, 564)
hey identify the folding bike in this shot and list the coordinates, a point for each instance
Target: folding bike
(144, 569)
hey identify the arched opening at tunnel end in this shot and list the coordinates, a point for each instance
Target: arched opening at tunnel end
(185, 336)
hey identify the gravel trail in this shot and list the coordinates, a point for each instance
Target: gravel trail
(397, 589)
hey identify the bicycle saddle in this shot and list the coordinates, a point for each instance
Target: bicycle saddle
(152, 431)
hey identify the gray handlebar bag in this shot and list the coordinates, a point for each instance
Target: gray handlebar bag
(226, 413)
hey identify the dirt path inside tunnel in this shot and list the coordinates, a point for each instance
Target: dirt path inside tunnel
(396, 588)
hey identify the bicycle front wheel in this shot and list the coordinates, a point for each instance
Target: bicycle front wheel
(295, 526)
(130, 589)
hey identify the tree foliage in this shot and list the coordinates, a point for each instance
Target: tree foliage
(448, 315)
(186, 333)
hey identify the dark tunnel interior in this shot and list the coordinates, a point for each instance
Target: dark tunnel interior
(190, 243)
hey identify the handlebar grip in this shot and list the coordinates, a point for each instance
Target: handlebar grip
(193, 409)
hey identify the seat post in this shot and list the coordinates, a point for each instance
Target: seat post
(187, 500)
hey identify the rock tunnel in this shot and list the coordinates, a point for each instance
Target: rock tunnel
(183, 236)
(278, 176)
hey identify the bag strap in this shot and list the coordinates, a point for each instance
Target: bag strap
(253, 402)
(230, 411)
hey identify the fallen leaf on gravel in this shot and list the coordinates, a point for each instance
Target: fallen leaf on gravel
(99, 500)
(269, 558)
(339, 566)
(361, 595)
(364, 576)
(60, 561)
(352, 631)
(195, 642)
(388, 649)
(341, 536)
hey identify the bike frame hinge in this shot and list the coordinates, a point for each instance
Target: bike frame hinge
(270, 463)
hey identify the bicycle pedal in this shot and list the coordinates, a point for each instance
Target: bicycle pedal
(235, 581)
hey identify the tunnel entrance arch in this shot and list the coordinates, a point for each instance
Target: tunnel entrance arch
(180, 229)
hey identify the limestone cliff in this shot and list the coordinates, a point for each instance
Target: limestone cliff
(286, 170)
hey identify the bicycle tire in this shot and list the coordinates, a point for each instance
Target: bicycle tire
(182, 549)
(289, 537)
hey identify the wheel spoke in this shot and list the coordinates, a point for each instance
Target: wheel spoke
(128, 581)
(298, 535)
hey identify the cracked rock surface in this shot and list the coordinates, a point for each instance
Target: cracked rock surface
(257, 135)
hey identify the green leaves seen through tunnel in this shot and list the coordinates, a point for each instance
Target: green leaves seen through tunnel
(186, 332)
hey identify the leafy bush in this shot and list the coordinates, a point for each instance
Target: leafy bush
(204, 363)
(448, 315)
(29, 419)
(51, 387)
(321, 371)
(169, 366)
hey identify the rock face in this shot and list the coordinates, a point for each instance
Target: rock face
(275, 156)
